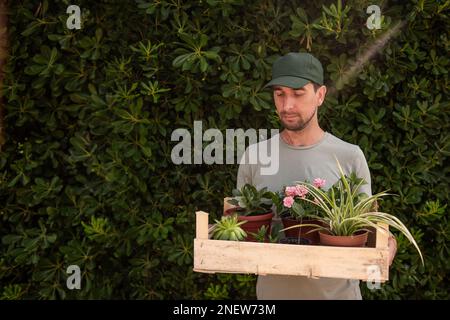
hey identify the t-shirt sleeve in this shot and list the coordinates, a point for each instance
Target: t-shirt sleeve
(362, 171)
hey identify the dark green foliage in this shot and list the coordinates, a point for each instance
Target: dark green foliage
(86, 175)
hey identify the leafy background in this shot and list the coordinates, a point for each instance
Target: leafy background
(86, 176)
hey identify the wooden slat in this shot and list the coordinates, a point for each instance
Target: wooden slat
(270, 258)
(201, 223)
(382, 244)
(382, 237)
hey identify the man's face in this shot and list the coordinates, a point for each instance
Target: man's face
(297, 107)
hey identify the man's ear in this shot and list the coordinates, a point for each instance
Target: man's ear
(322, 92)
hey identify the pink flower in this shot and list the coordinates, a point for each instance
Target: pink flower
(301, 191)
(319, 183)
(288, 201)
(290, 191)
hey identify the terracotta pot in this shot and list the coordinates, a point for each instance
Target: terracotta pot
(253, 223)
(357, 240)
(301, 231)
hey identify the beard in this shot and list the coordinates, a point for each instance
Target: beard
(298, 125)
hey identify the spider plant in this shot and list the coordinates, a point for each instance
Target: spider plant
(345, 211)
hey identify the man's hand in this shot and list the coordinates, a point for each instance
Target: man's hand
(392, 245)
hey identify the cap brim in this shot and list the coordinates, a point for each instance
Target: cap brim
(288, 81)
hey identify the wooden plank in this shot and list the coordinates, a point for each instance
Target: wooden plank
(271, 258)
(382, 237)
(382, 243)
(201, 225)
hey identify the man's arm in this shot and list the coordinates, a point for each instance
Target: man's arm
(362, 171)
(392, 245)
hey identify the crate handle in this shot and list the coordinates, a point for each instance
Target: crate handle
(201, 221)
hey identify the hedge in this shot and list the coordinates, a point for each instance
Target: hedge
(86, 176)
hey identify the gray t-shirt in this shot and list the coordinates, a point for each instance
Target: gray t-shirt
(300, 164)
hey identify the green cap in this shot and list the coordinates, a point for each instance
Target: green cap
(296, 69)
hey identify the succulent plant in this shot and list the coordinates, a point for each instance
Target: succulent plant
(229, 228)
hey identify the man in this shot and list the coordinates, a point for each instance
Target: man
(306, 152)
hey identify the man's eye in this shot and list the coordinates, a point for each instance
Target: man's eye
(279, 94)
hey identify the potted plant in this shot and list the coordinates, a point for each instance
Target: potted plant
(347, 214)
(228, 228)
(294, 210)
(254, 207)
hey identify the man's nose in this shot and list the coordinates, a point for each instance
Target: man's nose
(289, 104)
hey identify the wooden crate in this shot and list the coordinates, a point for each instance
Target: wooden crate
(219, 256)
